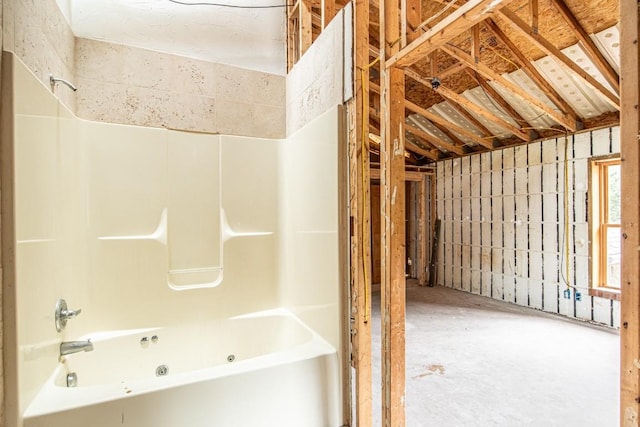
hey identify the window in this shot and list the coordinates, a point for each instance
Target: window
(605, 224)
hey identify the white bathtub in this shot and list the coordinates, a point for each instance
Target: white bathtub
(281, 374)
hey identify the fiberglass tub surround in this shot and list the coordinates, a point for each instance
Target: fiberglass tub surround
(151, 230)
(212, 371)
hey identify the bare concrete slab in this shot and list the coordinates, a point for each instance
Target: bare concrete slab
(474, 361)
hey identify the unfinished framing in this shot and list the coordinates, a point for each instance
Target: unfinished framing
(481, 78)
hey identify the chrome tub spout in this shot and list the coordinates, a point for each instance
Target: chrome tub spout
(71, 347)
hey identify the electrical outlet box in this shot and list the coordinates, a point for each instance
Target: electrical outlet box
(578, 296)
(567, 294)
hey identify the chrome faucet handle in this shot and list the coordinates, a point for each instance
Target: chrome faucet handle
(63, 314)
(70, 314)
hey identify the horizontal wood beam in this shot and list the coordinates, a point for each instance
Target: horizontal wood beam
(409, 175)
(488, 73)
(543, 44)
(471, 13)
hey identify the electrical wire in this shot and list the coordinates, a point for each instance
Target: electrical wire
(233, 6)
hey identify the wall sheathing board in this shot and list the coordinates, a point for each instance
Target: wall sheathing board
(504, 231)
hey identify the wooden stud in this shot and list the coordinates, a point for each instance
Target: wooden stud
(306, 27)
(488, 73)
(423, 237)
(543, 44)
(414, 16)
(589, 46)
(361, 219)
(533, 7)
(475, 43)
(630, 154)
(328, 10)
(392, 198)
(471, 13)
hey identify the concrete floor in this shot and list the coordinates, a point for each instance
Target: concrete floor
(474, 361)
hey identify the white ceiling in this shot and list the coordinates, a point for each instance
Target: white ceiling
(248, 38)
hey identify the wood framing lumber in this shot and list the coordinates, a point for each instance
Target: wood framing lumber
(434, 141)
(589, 46)
(471, 13)
(452, 96)
(527, 67)
(328, 10)
(547, 47)
(630, 155)
(361, 220)
(392, 199)
(422, 230)
(393, 252)
(414, 15)
(306, 30)
(488, 73)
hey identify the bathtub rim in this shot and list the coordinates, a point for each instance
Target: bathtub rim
(52, 398)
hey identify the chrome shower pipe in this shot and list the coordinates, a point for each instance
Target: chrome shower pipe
(55, 80)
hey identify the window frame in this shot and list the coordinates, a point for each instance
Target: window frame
(599, 225)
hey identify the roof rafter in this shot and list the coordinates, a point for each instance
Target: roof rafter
(471, 13)
(590, 47)
(543, 44)
(433, 140)
(495, 96)
(531, 71)
(564, 120)
(437, 119)
(452, 96)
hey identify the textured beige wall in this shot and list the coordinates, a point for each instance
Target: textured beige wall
(315, 84)
(38, 33)
(123, 84)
